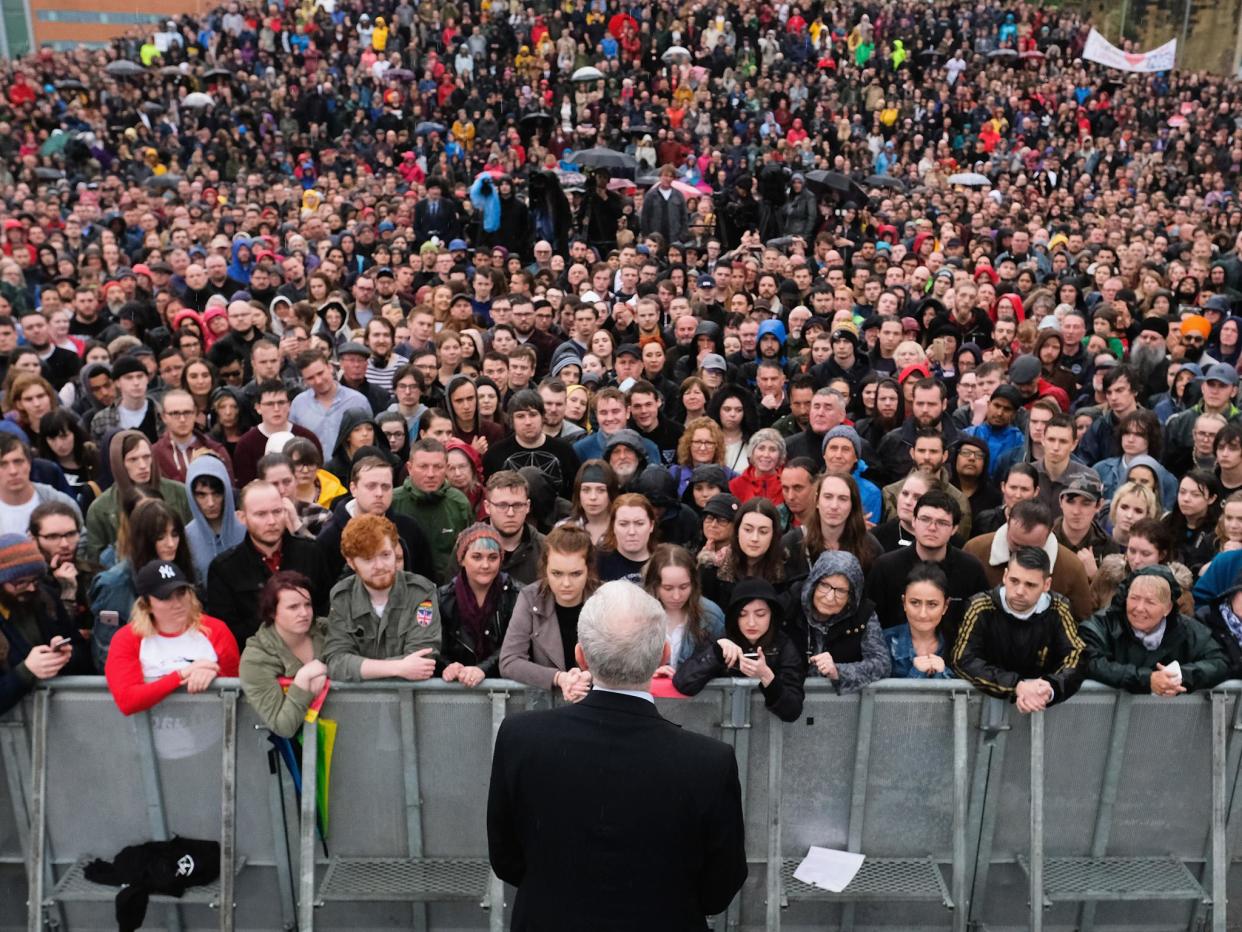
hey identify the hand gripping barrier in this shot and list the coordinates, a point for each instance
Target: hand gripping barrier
(1112, 810)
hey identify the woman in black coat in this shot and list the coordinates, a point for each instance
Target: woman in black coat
(755, 646)
(475, 607)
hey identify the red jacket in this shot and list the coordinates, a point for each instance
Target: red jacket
(128, 682)
(751, 485)
(173, 462)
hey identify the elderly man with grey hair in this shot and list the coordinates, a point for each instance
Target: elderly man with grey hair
(604, 808)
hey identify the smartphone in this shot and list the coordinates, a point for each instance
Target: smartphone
(110, 618)
(754, 656)
(59, 643)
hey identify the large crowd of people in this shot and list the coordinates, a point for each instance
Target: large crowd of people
(872, 340)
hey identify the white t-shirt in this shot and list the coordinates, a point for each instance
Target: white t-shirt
(15, 519)
(131, 420)
(163, 654)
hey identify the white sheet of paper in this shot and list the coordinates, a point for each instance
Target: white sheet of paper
(828, 868)
(1174, 669)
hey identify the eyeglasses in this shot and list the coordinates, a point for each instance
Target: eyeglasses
(836, 592)
(304, 464)
(970, 453)
(394, 434)
(508, 507)
(942, 524)
(702, 443)
(60, 538)
(168, 413)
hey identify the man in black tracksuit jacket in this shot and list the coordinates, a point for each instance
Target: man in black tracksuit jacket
(1020, 642)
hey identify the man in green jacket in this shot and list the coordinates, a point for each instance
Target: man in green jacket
(383, 622)
(1141, 643)
(440, 510)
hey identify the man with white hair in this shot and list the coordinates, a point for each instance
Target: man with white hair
(612, 762)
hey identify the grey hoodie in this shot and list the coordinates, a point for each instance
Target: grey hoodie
(206, 544)
(876, 663)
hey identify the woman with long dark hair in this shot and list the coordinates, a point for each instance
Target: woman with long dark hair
(134, 472)
(538, 647)
(672, 577)
(755, 645)
(890, 412)
(837, 523)
(1192, 523)
(595, 489)
(462, 404)
(733, 408)
(755, 552)
(63, 440)
(150, 531)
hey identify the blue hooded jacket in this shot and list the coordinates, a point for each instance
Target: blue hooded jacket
(206, 544)
(772, 328)
(238, 270)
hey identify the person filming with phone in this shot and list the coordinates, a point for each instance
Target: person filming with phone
(38, 640)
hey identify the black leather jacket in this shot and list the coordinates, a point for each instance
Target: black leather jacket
(457, 646)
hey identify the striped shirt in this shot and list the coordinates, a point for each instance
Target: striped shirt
(383, 375)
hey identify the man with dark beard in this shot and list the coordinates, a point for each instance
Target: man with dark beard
(1149, 356)
(1196, 331)
(37, 639)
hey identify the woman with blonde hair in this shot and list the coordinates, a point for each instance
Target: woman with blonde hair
(702, 443)
(168, 643)
(1132, 502)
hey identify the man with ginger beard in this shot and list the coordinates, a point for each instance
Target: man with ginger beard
(383, 622)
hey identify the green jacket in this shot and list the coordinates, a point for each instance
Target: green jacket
(1115, 656)
(266, 659)
(103, 515)
(442, 514)
(411, 621)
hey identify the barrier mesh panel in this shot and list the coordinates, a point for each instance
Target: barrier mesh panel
(74, 887)
(878, 878)
(1077, 879)
(402, 879)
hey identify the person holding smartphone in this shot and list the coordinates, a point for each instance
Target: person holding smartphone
(753, 646)
(37, 638)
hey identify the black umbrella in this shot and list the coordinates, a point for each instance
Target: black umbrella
(640, 129)
(600, 157)
(399, 74)
(164, 181)
(835, 184)
(152, 107)
(538, 118)
(929, 56)
(124, 68)
(70, 85)
(1003, 53)
(48, 174)
(218, 73)
(427, 127)
(884, 181)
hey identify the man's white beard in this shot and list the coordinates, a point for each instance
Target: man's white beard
(1145, 359)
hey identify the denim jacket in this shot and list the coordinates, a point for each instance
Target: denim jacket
(901, 649)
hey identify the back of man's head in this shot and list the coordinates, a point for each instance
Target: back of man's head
(621, 633)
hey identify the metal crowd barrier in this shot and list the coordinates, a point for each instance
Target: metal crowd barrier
(1111, 810)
